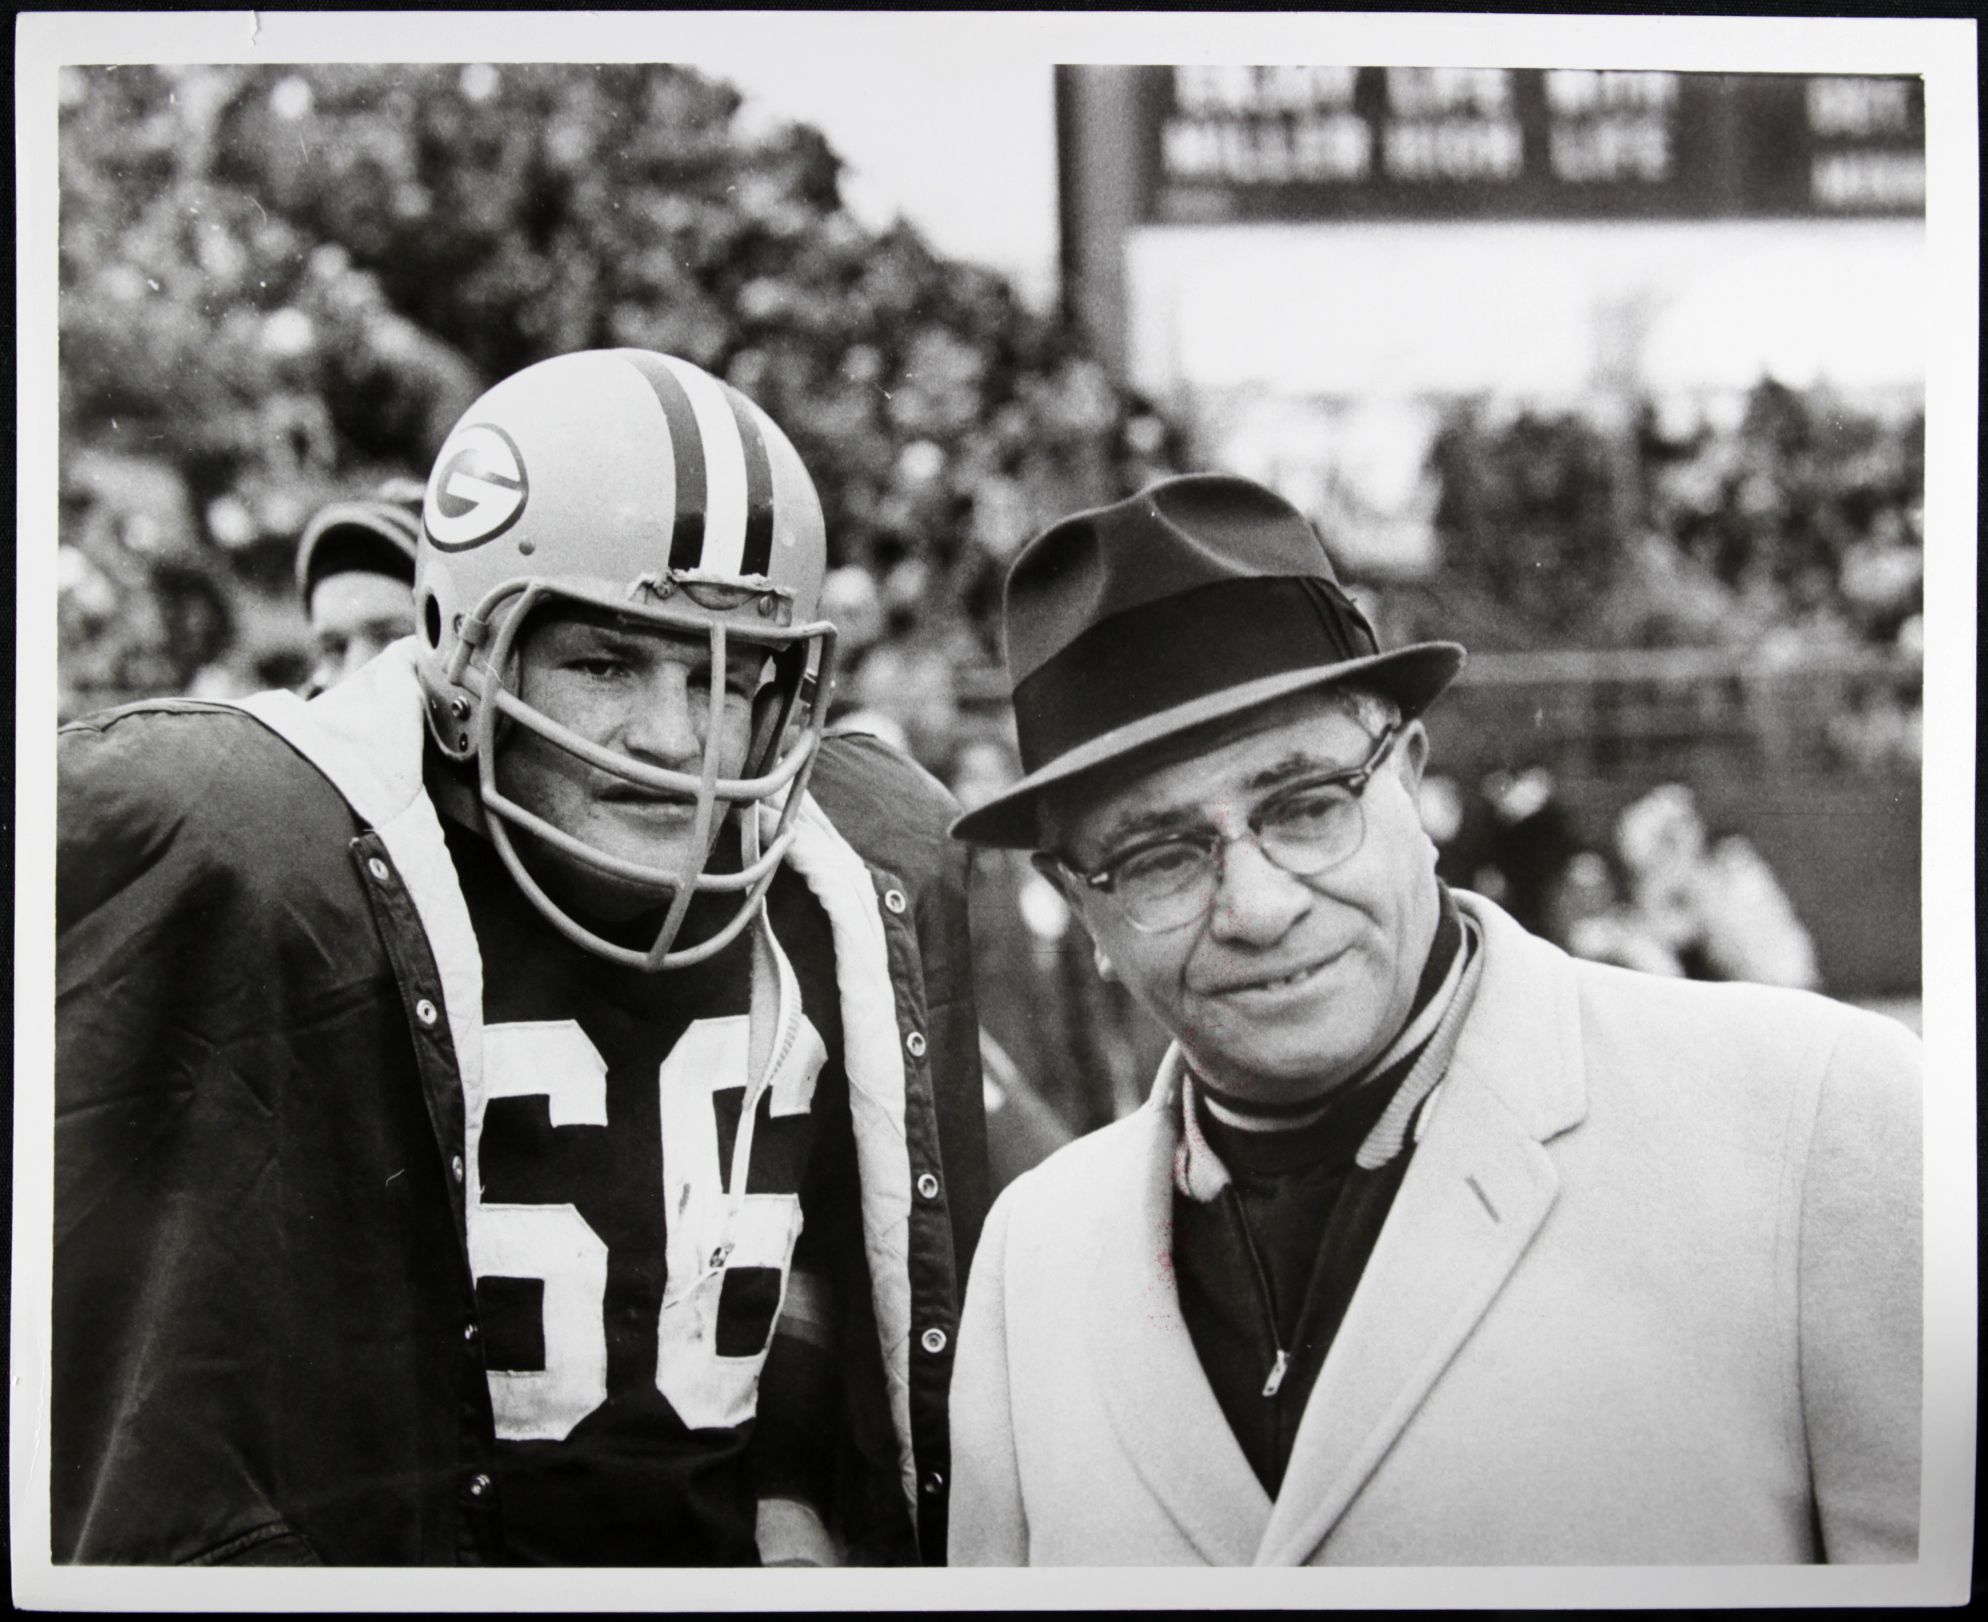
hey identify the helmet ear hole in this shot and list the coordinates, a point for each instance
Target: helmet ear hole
(431, 620)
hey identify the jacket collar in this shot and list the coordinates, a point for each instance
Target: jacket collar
(1476, 1192)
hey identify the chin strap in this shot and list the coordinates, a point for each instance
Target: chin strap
(451, 785)
(763, 1018)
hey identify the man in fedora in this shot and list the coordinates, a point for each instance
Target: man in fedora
(1432, 1246)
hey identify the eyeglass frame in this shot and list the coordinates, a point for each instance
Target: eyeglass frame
(1215, 843)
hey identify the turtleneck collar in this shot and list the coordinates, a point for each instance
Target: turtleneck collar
(1366, 1118)
(1251, 1116)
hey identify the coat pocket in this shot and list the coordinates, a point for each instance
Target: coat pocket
(276, 1544)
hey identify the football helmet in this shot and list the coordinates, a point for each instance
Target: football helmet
(637, 483)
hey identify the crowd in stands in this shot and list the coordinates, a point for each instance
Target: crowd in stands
(1783, 522)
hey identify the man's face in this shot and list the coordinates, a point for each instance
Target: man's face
(352, 616)
(1289, 985)
(640, 692)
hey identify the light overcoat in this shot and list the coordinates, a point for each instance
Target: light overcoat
(1650, 1293)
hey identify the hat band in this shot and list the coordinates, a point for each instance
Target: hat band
(1169, 652)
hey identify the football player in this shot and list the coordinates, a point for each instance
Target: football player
(355, 578)
(501, 1117)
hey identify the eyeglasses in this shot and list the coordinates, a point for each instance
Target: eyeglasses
(1304, 829)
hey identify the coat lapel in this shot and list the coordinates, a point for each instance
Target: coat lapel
(1160, 1404)
(1480, 1185)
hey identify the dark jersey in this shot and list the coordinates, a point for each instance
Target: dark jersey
(632, 1231)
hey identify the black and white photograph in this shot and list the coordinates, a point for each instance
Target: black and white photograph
(1004, 810)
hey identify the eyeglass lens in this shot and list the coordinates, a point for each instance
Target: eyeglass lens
(1174, 884)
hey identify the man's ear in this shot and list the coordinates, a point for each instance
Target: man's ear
(1072, 892)
(1413, 754)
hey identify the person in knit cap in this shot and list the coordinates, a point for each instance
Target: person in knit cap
(1432, 1245)
(355, 578)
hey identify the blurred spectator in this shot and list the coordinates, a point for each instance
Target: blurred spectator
(1533, 842)
(355, 578)
(1511, 841)
(1691, 905)
(905, 692)
(851, 603)
(141, 608)
(1594, 922)
(1071, 1039)
(1878, 729)
(1715, 906)
(1751, 931)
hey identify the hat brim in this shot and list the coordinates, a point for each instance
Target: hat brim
(1412, 677)
(361, 518)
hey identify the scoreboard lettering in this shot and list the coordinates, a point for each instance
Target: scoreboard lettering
(1221, 143)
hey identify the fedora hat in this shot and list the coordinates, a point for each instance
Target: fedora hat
(1201, 597)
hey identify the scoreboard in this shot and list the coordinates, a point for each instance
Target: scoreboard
(1215, 144)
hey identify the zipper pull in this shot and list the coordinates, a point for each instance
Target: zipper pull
(1277, 1372)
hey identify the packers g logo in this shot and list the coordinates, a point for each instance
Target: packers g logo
(478, 491)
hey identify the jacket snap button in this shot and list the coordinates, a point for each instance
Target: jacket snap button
(934, 1484)
(915, 1044)
(933, 1340)
(455, 1167)
(424, 1011)
(928, 1186)
(478, 1485)
(378, 869)
(469, 1331)
(894, 900)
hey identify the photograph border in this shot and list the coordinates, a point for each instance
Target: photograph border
(1942, 51)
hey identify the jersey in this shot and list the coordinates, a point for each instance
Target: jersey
(632, 1231)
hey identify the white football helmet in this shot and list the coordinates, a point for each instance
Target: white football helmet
(638, 483)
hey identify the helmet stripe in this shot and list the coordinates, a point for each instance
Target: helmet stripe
(724, 468)
(758, 556)
(687, 447)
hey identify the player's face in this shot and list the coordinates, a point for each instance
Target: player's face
(353, 615)
(1288, 985)
(640, 692)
